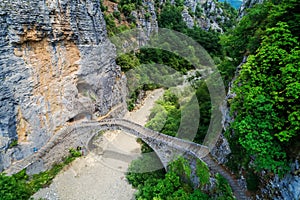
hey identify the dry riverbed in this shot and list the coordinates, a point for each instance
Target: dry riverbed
(100, 175)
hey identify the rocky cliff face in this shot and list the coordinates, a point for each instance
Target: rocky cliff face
(247, 4)
(56, 66)
(147, 17)
(287, 187)
(207, 14)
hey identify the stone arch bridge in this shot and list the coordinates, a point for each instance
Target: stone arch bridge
(80, 133)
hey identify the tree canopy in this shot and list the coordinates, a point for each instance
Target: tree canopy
(266, 108)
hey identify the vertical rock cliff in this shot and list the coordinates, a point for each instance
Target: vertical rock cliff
(246, 4)
(56, 66)
(207, 14)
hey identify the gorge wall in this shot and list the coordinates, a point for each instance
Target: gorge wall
(246, 4)
(56, 66)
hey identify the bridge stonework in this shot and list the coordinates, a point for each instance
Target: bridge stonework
(166, 147)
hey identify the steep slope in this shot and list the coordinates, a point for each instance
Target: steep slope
(246, 4)
(206, 14)
(268, 155)
(55, 67)
(209, 15)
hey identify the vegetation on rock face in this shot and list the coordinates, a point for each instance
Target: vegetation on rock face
(229, 16)
(270, 91)
(170, 17)
(266, 107)
(13, 143)
(114, 19)
(175, 184)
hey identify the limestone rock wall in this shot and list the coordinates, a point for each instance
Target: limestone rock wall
(147, 23)
(248, 4)
(206, 14)
(56, 66)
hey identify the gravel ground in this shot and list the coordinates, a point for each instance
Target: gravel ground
(100, 175)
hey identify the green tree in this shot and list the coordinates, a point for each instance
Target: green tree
(14, 187)
(127, 61)
(267, 103)
(170, 17)
(175, 184)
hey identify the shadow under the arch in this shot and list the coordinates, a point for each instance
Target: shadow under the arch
(106, 152)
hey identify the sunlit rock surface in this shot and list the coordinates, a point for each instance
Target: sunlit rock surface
(55, 67)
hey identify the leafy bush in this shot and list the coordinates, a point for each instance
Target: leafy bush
(14, 187)
(13, 143)
(127, 61)
(267, 104)
(74, 153)
(202, 172)
(223, 190)
(117, 15)
(175, 184)
(126, 9)
(21, 186)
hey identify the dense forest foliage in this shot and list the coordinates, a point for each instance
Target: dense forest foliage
(176, 183)
(266, 108)
(166, 114)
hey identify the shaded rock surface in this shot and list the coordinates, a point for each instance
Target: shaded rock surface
(287, 188)
(56, 66)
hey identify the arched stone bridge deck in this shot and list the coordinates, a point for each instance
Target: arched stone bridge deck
(166, 147)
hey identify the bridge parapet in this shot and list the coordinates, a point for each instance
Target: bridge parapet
(166, 147)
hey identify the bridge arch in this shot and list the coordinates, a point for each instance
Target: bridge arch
(81, 133)
(158, 152)
(167, 148)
